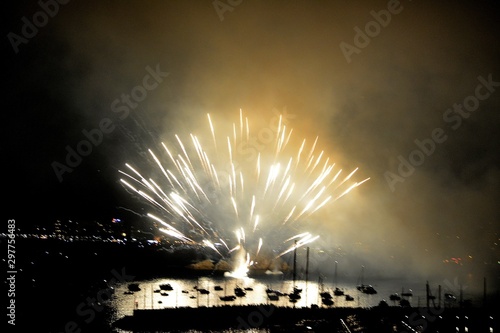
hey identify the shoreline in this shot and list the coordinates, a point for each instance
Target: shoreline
(290, 319)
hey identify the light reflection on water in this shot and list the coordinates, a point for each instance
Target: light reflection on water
(185, 294)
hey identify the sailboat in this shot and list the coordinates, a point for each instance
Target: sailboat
(337, 291)
(323, 293)
(365, 288)
(295, 295)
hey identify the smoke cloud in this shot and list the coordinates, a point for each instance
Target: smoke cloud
(368, 105)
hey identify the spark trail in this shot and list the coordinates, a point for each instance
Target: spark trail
(218, 196)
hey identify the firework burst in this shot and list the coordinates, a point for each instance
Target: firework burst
(219, 195)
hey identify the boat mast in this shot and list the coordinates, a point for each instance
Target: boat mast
(294, 263)
(307, 265)
(307, 272)
(335, 276)
(362, 275)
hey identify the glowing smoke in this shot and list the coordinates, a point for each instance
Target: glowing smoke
(213, 194)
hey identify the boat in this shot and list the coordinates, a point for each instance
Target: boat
(166, 286)
(338, 292)
(163, 293)
(239, 292)
(218, 288)
(365, 288)
(273, 296)
(395, 297)
(349, 298)
(227, 298)
(248, 288)
(325, 294)
(134, 287)
(326, 297)
(157, 291)
(327, 301)
(295, 294)
(274, 291)
(203, 291)
(294, 297)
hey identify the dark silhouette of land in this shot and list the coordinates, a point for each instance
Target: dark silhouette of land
(378, 319)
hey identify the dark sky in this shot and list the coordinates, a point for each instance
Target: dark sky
(368, 97)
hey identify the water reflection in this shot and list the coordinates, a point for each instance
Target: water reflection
(211, 291)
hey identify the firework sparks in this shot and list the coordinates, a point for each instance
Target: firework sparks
(204, 194)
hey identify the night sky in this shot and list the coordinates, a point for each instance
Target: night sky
(407, 91)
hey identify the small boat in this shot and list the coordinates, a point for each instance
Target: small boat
(273, 296)
(395, 297)
(349, 298)
(163, 293)
(294, 297)
(325, 294)
(134, 287)
(248, 288)
(185, 292)
(166, 286)
(327, 301)
(366, 289)
(274, 291)
(203, 291)
(157, 291)
(326, 297)
(218, 288)
(239, 292)
(338, 292)
(228, 298)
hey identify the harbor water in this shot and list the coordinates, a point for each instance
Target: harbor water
(207, 291)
